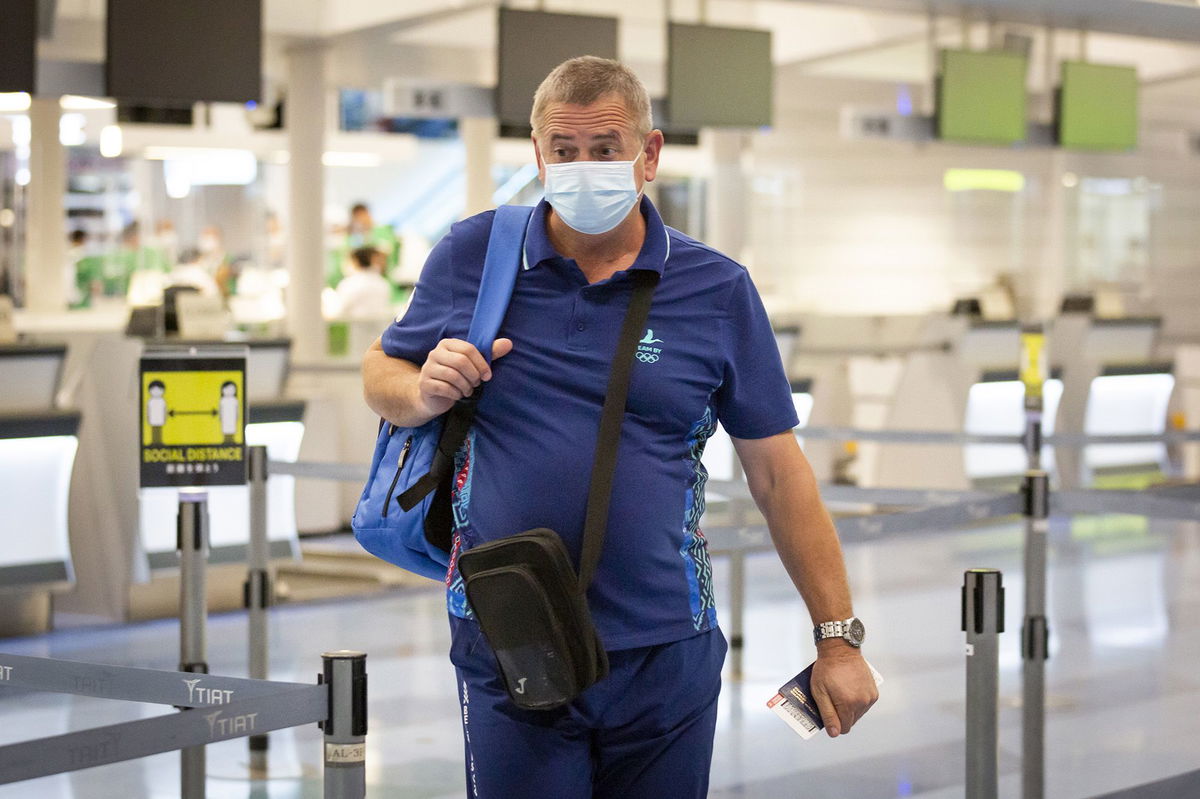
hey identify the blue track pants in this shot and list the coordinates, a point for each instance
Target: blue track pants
(644, 732)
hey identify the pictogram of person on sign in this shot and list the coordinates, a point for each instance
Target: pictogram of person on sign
(156, 411)
(229, 410)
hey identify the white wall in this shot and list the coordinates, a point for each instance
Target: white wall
(854, 226)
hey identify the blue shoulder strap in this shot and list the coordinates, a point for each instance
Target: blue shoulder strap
(504, 256)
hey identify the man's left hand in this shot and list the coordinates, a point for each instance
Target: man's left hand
(842, 687)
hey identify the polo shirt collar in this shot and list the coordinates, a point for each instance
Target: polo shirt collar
(655, 248)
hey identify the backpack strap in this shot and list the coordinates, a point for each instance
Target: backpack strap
(500, 265)
(504, 256)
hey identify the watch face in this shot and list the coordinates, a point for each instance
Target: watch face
(857, 632)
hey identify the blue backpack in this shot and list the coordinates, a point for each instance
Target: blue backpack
(404, 514)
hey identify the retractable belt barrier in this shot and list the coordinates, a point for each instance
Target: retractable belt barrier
(1065, 440)
(1170, 503)
(934, 509)
(213, 709)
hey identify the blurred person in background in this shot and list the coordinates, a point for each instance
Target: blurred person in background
(215, 260)
(191, 271)
(364, 293)
(362, 231)
(78, 278)
(131, 256)
(165, 240)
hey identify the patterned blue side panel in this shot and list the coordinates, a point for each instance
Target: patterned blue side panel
(694, 549)
(460, 502)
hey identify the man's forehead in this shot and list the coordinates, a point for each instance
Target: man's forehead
(603, 118)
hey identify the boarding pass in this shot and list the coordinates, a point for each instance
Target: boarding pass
(795, 705)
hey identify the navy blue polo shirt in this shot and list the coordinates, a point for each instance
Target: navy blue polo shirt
(707, 354)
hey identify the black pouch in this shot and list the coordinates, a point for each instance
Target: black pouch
(528, 602)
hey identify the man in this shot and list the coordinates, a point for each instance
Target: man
(646, 730)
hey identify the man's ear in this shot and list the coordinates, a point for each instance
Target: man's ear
(652, 149)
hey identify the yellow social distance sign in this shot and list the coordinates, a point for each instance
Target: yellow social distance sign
(193, 416)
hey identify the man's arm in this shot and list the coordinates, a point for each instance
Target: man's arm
(785, 490)
(407, 395)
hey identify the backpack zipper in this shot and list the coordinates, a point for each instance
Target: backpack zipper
(399, 467)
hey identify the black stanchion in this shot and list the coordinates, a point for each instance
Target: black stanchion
(1035, 632)
(258, 591)
(346, 727)
(192, 542)
(982, 621)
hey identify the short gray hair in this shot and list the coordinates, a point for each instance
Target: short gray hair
(586, 79)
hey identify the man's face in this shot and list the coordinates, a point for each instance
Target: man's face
(602, 131)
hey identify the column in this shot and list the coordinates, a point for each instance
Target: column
(305, 123)
(478, 135)
(727, 195)
(46, 230)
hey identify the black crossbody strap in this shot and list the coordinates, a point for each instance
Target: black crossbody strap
(605, 463)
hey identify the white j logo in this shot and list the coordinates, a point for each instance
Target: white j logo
(521, 685)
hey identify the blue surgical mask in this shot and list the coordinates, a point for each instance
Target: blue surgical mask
(592, 196)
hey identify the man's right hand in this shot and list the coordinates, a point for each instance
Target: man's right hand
(452, 371)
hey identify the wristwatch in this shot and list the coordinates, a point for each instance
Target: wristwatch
(852, 630)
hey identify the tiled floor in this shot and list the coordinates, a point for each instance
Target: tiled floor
(1124, 687)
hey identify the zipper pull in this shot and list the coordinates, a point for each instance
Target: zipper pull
(404, 453)
(387, 500)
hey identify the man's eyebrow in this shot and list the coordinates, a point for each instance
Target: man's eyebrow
(607, 136)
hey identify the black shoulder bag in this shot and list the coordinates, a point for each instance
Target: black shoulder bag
(531, 605)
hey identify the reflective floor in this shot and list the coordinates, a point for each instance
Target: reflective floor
(1124, 687)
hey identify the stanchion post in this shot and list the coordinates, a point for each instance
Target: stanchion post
(982, 621)
(192, 543)
(737, 611)
(257, 590)
(346, 726)
(1035, 632)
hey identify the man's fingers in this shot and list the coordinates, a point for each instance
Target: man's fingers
(829, 713)
(441, 390)
(460, 362)
(501, 347)
(477, 363)
(454, 368)
(451, 376)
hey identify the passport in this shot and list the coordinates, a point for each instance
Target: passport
(794, 703)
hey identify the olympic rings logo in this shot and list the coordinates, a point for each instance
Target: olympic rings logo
(647, 357)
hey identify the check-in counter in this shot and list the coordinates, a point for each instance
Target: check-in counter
(971, 387)
(38, 443)
(996, 407)
(1113, 385)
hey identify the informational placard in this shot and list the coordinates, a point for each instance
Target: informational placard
(193, 416)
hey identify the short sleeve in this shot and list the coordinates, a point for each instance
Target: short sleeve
(754, 399)
(423, 324)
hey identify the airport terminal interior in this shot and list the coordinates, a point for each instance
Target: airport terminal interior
(975, 228)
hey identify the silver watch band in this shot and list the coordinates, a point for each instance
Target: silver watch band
(830, 629)
(851, 630)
